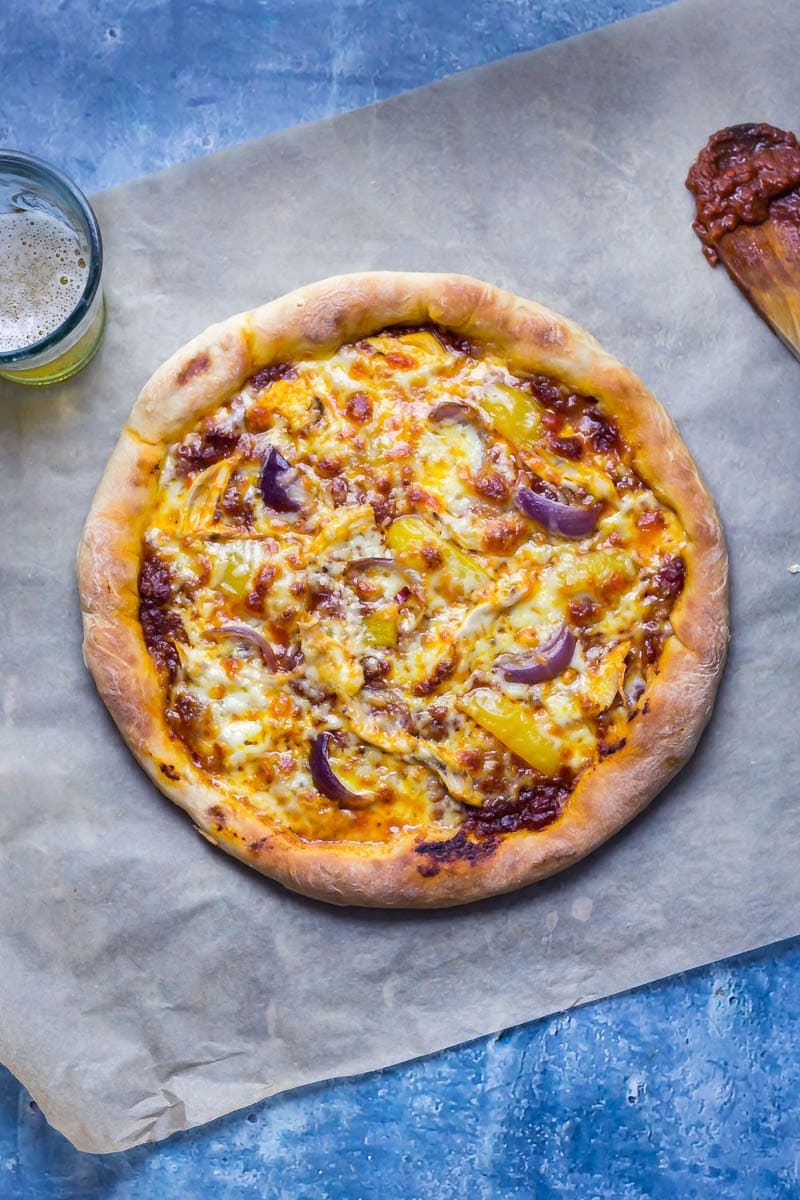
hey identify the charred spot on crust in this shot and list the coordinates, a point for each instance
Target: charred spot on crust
(217, 814)
(458, 848)
(258, 845)
(268, 375)
(195, 366)
(535, 807)
(168, 770)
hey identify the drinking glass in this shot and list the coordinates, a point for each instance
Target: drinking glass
(59, 331)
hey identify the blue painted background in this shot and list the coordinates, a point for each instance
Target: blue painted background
(688, 1088)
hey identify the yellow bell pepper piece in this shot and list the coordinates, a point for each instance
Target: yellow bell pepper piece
(513, 413)
(516, 727)
(235, 575)
(381, 626)
(428, 551)
(422, 340)
(596, 570)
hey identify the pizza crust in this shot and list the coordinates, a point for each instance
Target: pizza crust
(313, 320)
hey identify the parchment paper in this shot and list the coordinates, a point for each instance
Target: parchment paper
(148, 982)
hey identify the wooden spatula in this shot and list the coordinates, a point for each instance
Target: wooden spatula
(746, 182)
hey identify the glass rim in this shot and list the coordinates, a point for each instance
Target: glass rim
(53, 176)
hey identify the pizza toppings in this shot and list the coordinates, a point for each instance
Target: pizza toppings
(161, 627)
(570, 520)
(202, 450)
(452, 410)
(324, 778)
(443, 576)
(668, 582)
(534, 807)
(268, 375)
(275, 483)
(552, 657)
(245, 633)
(599, 431)
(529, 735)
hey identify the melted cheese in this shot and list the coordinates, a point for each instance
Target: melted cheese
(389, 596)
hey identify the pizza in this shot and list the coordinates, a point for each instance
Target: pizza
(404, 589)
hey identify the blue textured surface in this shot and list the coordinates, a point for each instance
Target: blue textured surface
(685, 1088)
(119, 88)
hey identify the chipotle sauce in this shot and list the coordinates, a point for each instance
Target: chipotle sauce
(736, 176)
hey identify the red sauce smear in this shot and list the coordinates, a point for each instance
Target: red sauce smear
(736, 176)
(534, 808)
(199, 452)
(160, 627)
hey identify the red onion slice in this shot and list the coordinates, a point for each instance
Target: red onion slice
(247, 634)
(363, 564)
(451, 410)
(324, 779)
(570, 520)
(548, 661)
(275, 475)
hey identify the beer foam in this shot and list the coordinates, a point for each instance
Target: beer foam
(43, 272)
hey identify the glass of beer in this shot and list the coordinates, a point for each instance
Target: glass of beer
(51, 261)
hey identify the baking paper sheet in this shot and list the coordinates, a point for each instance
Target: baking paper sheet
(147, 981)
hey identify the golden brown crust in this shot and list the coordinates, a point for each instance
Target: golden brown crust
(314, 320)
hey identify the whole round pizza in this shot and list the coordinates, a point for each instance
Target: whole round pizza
(404, 589)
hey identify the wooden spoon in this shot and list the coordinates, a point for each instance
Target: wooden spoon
(746, 182)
